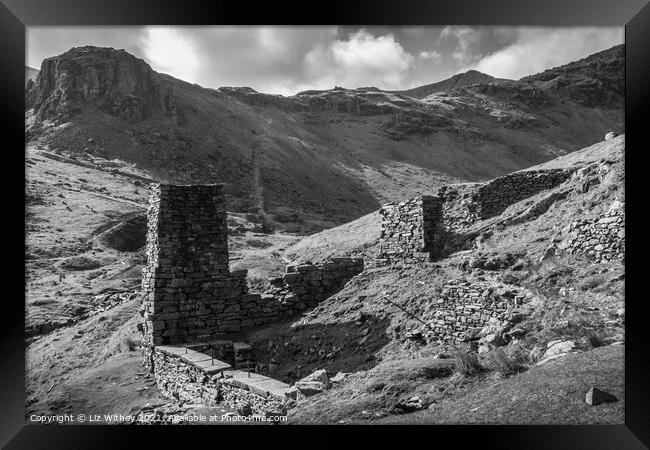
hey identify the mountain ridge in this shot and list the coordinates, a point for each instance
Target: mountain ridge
(323, 157)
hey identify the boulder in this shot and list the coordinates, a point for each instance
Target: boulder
(558, 347)
(309, 388)
(611, 135)
(411, 404)
(595, 397)
(549, 252)
(314, 383)
(318, 375)
(339, 377)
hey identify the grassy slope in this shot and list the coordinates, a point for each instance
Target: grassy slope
(573, 299)
(553, 393)
(67, 206)
(349, 239)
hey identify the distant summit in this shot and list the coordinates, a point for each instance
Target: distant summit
(457, 81)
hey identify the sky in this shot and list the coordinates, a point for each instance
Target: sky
(288, 59)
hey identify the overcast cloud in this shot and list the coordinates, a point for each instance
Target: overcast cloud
(285, 60)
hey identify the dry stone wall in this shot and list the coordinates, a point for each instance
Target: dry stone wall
(460, 209)
(496, 195)
(467, 306)
(468, 203)
(410, 230)
(306, 285)
(192, 376)
(424, 227)
(601, 239)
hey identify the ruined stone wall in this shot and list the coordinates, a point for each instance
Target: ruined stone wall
(188, 290)
(467, 203)
(195, 377)
(495, 196)
(601, 239)
(309, 284)
(460, 209)
(426, 226)
(410, 230)
(465, 306)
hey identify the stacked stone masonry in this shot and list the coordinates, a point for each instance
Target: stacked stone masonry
(191, 298)
(495, 196)
(466, 305)
(468, 203)
(601, 239)
(306, 285)
(410, 230)
(460, 209)
(188, 375)
(189, 292)
(421, 228)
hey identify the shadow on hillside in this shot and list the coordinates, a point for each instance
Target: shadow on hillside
(455, 242)
(298, 350)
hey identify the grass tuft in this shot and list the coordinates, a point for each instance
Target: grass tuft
(129, 343)
(467, 363)
(500, 362)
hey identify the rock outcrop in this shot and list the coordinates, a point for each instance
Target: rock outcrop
(111, 80)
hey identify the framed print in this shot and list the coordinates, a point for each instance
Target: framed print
(412, 213)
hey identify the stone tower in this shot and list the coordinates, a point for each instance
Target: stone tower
(188, 289)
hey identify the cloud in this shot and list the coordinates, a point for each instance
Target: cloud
(288, 59)
(167, 50)
(537, 49)
(269, 59)
(45, 42)
(359, 60)
(431, 55)
(467, 39)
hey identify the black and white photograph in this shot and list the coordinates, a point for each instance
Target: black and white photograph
(325, 225)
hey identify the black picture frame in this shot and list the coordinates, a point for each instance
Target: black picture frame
(15, 15)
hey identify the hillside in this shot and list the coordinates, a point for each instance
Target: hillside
(391, 358)
(319, 158)
(395, 373)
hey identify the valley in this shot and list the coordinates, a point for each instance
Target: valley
(305, 177)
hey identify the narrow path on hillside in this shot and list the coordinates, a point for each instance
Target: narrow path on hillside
(257, 152)
(107, 197)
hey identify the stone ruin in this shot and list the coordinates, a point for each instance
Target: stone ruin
(188, 290)
(195, 308)
(424, 228)
(601, 239)
(411, 230)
